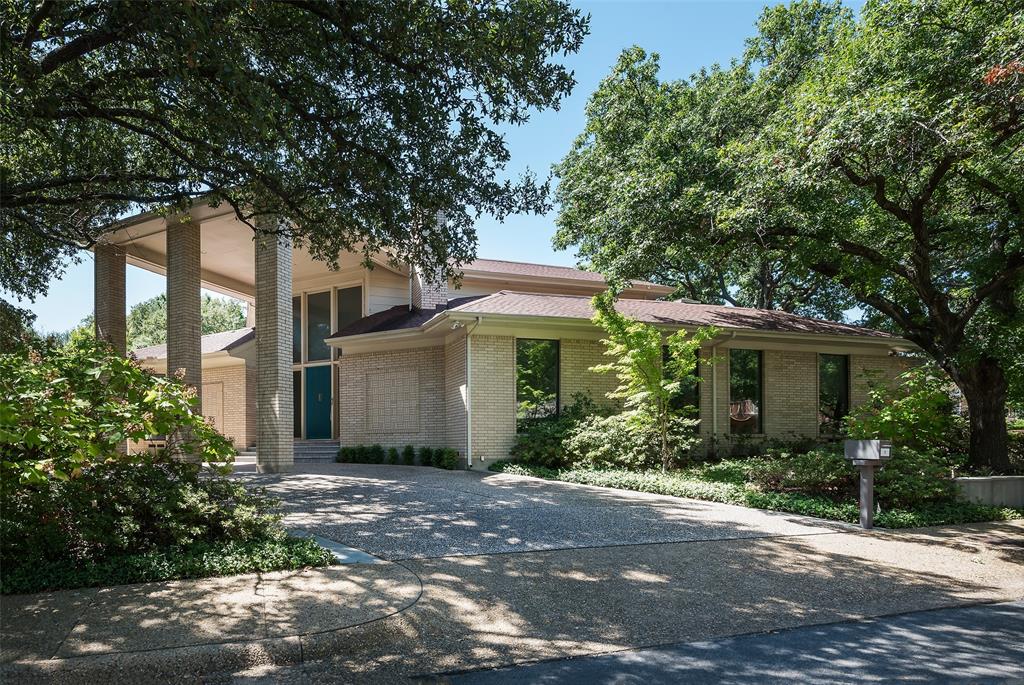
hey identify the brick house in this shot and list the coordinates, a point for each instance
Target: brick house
(385, 355)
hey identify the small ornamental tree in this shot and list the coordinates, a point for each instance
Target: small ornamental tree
(65, 408)
(914, 411)
(647, 384)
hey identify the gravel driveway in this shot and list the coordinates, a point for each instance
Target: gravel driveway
(515, 570)
(406, 512)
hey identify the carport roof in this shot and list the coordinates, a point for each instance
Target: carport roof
(214, 342)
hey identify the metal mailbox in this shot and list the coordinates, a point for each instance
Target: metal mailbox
(868, 456)
(871, 451)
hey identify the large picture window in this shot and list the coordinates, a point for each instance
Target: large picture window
(833, 392)
(689, 394)
(536, 379)
(746, 401)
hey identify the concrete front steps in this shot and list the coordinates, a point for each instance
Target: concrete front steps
(315, 451)
(306, 452)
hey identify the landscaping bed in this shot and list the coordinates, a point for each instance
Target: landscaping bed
(728, 483)
(118, 523)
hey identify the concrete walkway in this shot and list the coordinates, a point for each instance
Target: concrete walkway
(488, 570)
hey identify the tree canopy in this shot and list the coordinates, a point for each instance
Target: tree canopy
(146, 322)
(876, 160)
(357, 123)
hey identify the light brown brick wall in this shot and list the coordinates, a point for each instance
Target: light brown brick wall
(455, 394)
(109, 293)
(184, 300)
(275, 449)
(237, 402)
(577, 357)
(493, 397)
(393, 398)
(865, 369)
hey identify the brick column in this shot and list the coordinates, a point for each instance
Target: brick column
(274, 442)
(108, 294)
(184, 317)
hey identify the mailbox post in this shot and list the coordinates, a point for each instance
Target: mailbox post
(868, 456)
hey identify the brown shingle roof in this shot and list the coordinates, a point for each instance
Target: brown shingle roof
(500, 266)
(663, 312)
(214, 342)
(397, 318)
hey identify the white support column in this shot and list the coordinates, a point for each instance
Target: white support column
(275, 445)
(184, 312)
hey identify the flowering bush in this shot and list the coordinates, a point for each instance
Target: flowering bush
(64, 408)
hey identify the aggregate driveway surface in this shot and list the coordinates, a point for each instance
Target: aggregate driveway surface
(406, 512)
(516, 570)
(497, 570)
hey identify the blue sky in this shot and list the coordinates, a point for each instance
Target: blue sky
(687, 35)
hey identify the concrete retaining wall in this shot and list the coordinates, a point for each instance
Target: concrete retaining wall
(1003, 491)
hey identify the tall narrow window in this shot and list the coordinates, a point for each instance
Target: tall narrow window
(297, 329)
(350, 305)
(689, 394)
(746, 392)
(536, 379)
(297, 404)
(318, 326)
(833, 392)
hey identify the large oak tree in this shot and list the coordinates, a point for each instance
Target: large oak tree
(878, 160)
(355, 121)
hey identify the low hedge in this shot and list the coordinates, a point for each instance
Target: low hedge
(439, 457)
(686, 484)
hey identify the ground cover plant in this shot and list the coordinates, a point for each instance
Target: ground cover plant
(75, 510)
(818, 483)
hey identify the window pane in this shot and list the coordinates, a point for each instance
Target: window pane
(689, 395)
(833, 391)
(297, 403)
(745, 400)
(318, 326)
(350, 306)
(536, 378)
(296, 330)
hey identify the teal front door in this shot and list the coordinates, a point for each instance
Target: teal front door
(318, 402)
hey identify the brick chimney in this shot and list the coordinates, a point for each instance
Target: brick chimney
(428, 290)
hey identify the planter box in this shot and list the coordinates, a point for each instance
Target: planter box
(1002, 491)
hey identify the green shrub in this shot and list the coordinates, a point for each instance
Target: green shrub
(913, 477)
(110, 512)
(63, 408)
(426, 456)
(540, 442)
(621, 441)
(345, 455)
(449, 459)
(408, 455)
(392, 455)
(375, 454)
(822, 471)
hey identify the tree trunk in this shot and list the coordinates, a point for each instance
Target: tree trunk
(984, 386)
